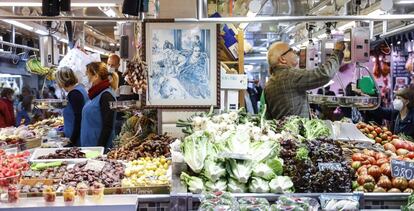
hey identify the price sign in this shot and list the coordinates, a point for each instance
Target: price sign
(401, 168)
(95, 165)
(330, 166)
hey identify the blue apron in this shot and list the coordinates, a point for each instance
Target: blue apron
(92, 122)
(69, 115)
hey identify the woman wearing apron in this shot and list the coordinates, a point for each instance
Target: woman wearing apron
(98, 120)
(77, 98)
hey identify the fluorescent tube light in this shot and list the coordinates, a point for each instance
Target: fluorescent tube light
(405, 2)
(322, 8)
(109, 11)
(20, 25)
(38, 4)
(41, 32)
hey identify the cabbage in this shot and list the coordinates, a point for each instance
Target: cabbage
(220, 185)
(195, 184)
(195, 148)
(264, 171)
(235, 143)
(259, 185)
(236, 187)
(213, 169)
(281, 184)
(240, 169)
(276, 164)
(262, 150)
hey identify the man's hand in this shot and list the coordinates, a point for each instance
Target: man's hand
(340, 46)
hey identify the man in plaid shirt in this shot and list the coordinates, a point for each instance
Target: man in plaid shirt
(285, 92)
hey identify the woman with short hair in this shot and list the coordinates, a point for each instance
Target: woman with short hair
(77, 98)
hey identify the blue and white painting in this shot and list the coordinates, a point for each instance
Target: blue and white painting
(182, 64)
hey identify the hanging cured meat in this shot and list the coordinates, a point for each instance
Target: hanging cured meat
(409, 64)
(377, 67)
(385, 68)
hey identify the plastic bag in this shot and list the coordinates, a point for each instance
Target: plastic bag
(332, 202)
(219, 200)
(77, 60)
(287, 203)
(256, 204)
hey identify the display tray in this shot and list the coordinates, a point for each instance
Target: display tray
(50, 103)
(45, 151)
(343, 131)
(125, 105)
(344, 101)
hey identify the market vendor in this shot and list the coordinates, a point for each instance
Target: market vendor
(77, 98)
(113, 63)
(98, 120)
(285, 92)
(402, 114)
(7, 118)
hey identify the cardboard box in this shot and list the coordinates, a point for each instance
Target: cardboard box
(178, 9)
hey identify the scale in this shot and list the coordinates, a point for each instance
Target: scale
(356, 51)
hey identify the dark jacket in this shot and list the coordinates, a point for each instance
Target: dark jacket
(405, 126)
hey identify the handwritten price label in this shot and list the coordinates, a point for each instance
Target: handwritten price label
(401, 168)
(330, 166)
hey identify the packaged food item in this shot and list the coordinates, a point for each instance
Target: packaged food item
(331, 202)
(98, 191)
(69, 195)
(13, 194)
(82, 191)
(288, 203)
(251, 203)
(49, 194)
(219, 200)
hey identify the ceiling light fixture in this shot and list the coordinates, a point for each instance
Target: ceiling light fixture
(41, 32)
(20, 25)
(405, 2)
(109, 11)
(38, 4)
(322, 8)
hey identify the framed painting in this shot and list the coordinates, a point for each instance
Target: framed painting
(182, 65)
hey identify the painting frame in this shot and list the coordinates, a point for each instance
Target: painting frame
(153, 98)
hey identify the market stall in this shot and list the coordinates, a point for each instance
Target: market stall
(194, 134)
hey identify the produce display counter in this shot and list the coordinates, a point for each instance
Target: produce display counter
(188, 201)
(110, 202)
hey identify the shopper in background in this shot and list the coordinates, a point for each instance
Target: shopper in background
(402, 114)
(7, 118)
(98, 120)
(24, 107)
(285, 92)
(77, 98)
(114, 61)
(52, 92)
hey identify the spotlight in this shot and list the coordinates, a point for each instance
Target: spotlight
(131, 7)
(50, 7)
(65, 5)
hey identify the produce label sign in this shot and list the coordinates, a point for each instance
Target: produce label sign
(95, 165)
(401, 168)
(330, 166)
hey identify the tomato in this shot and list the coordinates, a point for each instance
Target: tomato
(382, 161)
(374, 171)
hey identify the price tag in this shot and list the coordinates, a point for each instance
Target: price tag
(95, 165)
(401, 168)
(330, 166)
